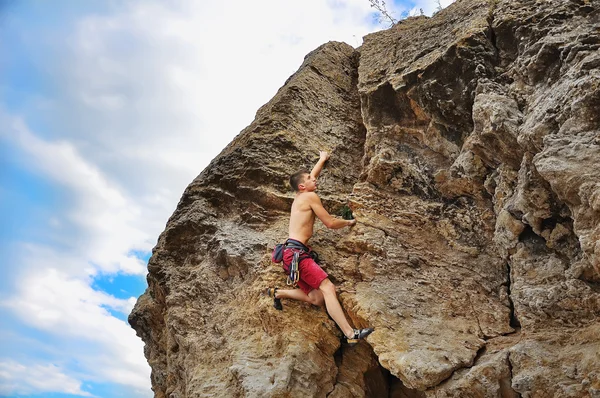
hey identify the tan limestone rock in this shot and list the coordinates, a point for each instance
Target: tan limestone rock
(467, 146)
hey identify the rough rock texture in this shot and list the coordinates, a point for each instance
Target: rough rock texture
(468, 147)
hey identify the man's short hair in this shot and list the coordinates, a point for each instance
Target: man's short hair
(298, 178)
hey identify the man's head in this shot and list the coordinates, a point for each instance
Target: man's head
(301, 181)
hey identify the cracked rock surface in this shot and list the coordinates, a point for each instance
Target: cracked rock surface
(468, 147)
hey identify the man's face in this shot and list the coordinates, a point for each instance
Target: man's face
(310, 183)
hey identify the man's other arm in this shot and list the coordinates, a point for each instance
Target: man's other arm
(330, 221)
(323, 156)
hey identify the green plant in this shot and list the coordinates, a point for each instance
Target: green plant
(345, 212)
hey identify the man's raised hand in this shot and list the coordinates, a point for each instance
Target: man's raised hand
(324, 155)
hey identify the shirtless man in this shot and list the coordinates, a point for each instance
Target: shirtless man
(314, 284)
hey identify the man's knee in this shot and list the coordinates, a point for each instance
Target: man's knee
(327, 287)
(317, 300)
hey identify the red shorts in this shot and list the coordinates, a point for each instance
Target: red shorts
(311, 274)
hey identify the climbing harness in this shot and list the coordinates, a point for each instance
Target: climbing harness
(300, 253)
(294, 275)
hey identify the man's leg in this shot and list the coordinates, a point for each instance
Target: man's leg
(315, 296)
(312, 275)
(334, 308)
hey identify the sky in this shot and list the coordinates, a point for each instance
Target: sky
(108, 109)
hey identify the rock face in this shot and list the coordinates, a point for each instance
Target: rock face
(468, 147)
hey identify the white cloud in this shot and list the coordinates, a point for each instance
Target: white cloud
(101, 220)
(16, 378)
(78, 315)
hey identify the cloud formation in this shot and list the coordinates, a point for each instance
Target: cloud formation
(16, 378)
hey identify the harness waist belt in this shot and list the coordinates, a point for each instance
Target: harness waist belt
(296, 244)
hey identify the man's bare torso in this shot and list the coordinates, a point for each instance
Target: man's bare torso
(302, 217)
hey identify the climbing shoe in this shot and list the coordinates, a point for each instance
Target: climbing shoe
(270, 291)
(359, 334)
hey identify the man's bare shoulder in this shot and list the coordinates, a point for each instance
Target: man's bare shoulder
(306, 200)
(308, 197)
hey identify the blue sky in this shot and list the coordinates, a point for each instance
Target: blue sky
(108, 109)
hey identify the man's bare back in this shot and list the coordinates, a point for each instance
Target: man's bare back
(302, 218)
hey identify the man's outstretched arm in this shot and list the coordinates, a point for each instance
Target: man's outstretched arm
(330, 221)
(323, 156)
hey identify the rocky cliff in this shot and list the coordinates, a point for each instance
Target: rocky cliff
(468, 147)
